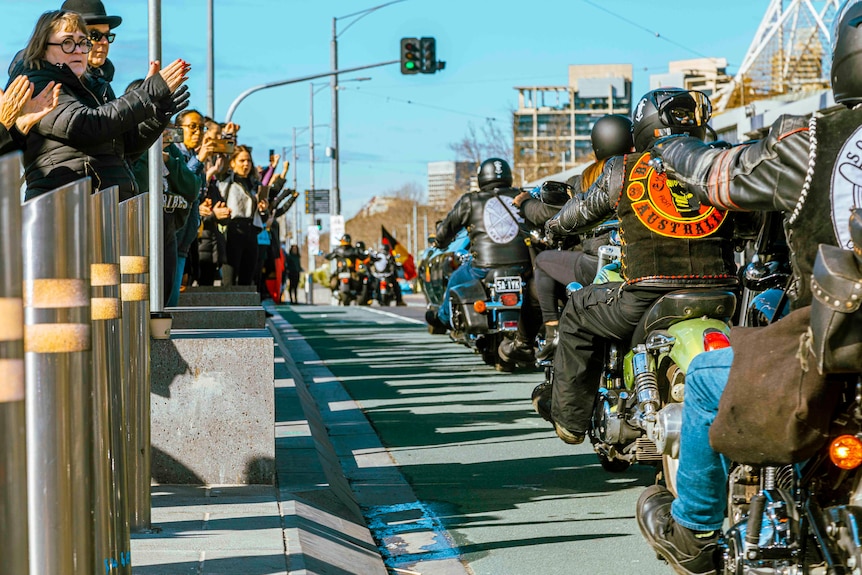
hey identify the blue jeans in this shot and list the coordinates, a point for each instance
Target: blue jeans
(463, 275)
(174, 296)
(702, 475)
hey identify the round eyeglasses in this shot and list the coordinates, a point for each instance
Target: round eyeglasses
(68, 45)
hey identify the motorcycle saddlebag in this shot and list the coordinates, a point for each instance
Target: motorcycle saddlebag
(776, 407)
(836, 315)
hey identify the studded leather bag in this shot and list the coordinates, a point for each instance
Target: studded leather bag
(836, 310)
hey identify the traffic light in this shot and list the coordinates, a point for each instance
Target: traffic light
(410, 56)
(428, 54)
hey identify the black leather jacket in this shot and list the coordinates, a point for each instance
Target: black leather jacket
(798, 169)
(494, 228)
(666, 243)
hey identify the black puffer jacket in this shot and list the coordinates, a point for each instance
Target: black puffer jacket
(86, 136)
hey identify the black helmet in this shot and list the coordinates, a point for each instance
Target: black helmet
(669, 111)
(494, 173)
(611, 136)
(346, 240)
(847, 54)
(360, 245)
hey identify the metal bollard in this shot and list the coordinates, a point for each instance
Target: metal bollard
(13, 459)
(135, 293)
(113, 544)
(57, 355)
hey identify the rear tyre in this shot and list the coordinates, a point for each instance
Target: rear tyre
(613, 465)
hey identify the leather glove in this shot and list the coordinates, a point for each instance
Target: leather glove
(177, 102)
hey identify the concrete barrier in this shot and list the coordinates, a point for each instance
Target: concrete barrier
(213, 407)
(218, 317)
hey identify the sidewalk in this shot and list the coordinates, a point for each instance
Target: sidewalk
(307, 524)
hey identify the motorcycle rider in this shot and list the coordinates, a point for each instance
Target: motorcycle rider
(554, 269)
(344, 253)
(493, 225)
(668, 243)
(808, 169)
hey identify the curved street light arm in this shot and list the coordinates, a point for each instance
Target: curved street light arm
(252, 90)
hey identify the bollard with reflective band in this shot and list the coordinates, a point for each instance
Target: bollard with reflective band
(13, 460)
(111, 516)
(58, 380)
(135, 295)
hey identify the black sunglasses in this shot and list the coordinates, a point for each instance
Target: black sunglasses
(96, 36)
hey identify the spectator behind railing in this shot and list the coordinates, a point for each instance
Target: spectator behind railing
(180, 186)
(196, 148)
(239, 190)
(212, 250)
(82, 136)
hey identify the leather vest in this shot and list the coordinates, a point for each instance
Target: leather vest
(831, 189)
(670, 240)
(494, 234)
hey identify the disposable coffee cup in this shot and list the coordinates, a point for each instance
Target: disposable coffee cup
(160, 325)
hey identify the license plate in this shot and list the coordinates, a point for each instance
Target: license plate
(344, 275)
(507, 284)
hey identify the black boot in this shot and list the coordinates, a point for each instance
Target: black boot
(548, 343)
(516, 351)
(688, 552)
(541, 398)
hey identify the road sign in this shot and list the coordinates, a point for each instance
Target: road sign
(316, 201)
(336, 230)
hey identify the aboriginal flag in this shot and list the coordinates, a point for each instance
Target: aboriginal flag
(402, 256)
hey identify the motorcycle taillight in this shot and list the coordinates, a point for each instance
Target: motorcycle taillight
(509, 299)
(714, 339)
(846, 452)
(383, 284)
(345, 280)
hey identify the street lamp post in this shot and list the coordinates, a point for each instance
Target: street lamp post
(335, 192)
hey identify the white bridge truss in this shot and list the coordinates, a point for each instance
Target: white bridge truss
(790, 53)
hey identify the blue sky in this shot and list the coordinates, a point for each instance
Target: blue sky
(391, 126)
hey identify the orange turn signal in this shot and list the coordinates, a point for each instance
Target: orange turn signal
(846, 452)
(509, 299)
(479, 306)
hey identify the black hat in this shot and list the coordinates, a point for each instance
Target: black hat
(93, 12)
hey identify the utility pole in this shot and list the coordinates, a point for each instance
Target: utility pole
(210, 60)
(296, 217)
(335, 192)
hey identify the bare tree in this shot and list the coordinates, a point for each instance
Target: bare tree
(411, 191)
(486, 141)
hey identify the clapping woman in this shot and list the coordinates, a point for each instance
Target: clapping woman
(238, 189)
(80, 137)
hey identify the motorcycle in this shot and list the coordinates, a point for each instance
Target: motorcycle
(482, 312)
(637, 414)
(350, 282)
(801, 518)
(382, 270)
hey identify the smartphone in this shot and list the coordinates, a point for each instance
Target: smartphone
(223, 146)
(173, 135)
(271, 154)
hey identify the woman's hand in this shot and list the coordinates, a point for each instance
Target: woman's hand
(175, 73)
(205, 209)
(206, 149)
(284, 168)
(37, 108)
(12, 101)
(221, 211)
